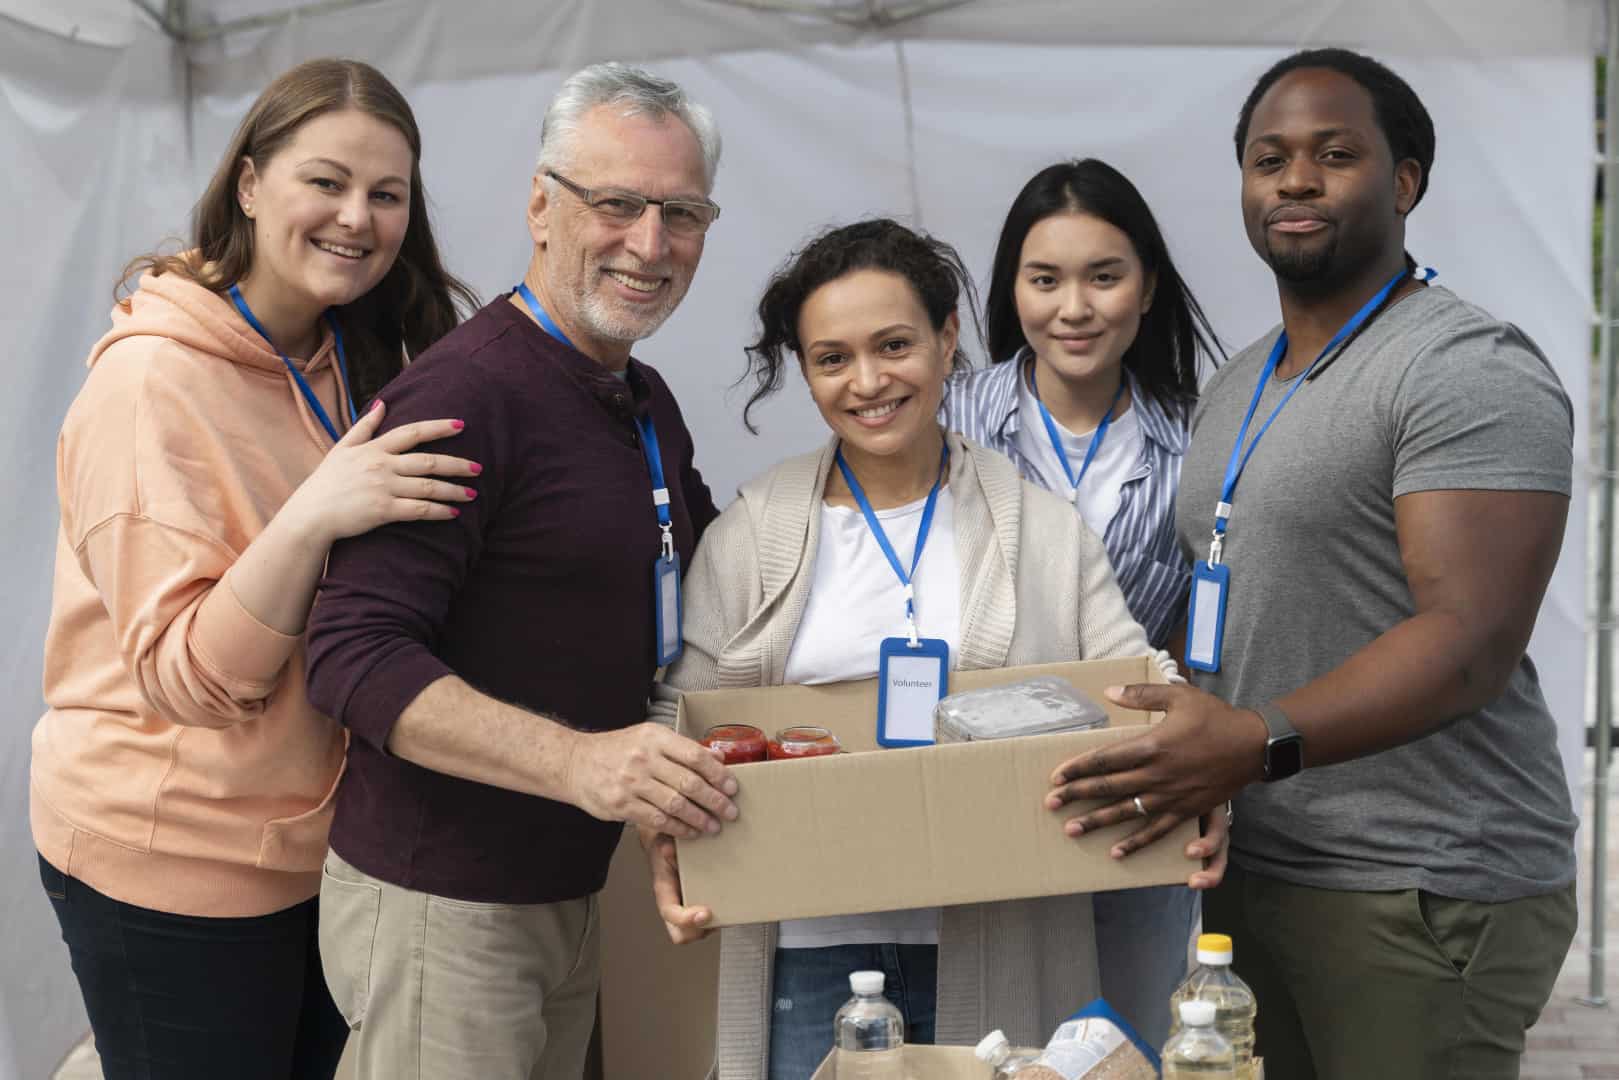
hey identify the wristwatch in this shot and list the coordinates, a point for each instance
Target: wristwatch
(1284, 750)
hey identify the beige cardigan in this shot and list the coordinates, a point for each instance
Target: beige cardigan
(1036, 587)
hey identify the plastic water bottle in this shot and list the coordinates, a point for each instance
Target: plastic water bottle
(996, 1050)
(869, 1032)
(1198, 1051)
(1214, 981)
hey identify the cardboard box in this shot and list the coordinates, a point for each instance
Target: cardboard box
(659, 1001)
(882, 830)
(954, 1063)
(926, 1063)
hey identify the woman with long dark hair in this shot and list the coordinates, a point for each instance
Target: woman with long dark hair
(181, 779)
(1094, 340)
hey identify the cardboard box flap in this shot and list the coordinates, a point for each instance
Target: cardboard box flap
(926, 1063)
(906, 828)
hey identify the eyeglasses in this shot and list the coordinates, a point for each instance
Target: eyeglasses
(682, 216)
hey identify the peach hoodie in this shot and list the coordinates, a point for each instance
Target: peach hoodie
(180, 766)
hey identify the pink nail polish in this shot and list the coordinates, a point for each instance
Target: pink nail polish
(454, 512)
(375, 405)
(458, 424)
(476, 469)
(472, 493)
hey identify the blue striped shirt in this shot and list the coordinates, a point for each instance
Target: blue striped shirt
(982, 405)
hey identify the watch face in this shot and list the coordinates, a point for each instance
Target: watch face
(1284, 757)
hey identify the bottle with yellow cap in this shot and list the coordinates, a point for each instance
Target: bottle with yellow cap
(1214, 981)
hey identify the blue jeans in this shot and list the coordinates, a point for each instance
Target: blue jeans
(812, 984)
(1141, 937)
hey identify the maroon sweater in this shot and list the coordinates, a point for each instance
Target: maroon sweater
(539, 594)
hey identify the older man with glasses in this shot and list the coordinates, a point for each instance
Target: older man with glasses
(493, 670)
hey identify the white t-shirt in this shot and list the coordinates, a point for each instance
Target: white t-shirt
(855, 601)
(1098, 495)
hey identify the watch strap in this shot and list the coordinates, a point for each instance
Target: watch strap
(1276, 721)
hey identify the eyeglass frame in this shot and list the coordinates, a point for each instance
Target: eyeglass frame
(586, 195)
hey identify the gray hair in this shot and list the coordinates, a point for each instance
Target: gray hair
(640, 92)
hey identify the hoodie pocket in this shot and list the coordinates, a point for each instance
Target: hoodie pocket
(298, 843)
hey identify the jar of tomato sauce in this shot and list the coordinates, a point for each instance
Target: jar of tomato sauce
(737, 743)
(803, 741)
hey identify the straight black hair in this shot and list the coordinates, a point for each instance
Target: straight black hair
(1164, 356)
(932, 267)
(1400, 113)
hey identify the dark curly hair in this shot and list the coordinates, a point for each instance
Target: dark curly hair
(1406, 125)
(932, 267)
(1174, 331)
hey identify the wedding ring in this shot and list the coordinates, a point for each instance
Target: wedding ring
(1142, 810)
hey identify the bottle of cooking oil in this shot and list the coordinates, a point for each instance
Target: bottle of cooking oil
(1214, 981)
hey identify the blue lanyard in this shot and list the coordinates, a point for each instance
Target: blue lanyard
(649, 434)
(298, 376)
(1239, 457)
(1056, 438)
(876, 528)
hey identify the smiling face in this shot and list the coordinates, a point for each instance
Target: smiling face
(614, 283)
(329, 212)
(1322, 197)
(1080, 294)
(874, 363)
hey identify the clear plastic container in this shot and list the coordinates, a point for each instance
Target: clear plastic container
(1214, 981)
(1037, 706)
(869, 1032)
(1198, 1051)
(997, 1051)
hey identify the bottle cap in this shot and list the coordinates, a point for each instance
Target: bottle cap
(1213, 949)
(992, 1046)
(1197, 1013)
(866, 982)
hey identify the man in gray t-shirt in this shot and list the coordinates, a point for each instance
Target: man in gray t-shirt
(1400, 893)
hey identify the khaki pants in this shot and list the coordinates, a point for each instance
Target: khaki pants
(1390, 985)
(439, 989)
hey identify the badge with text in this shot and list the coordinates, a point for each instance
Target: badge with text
(911, 678)
(1206, 618)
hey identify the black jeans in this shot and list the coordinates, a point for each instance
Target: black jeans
(172, 997)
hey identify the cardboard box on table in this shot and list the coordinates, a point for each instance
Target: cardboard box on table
(926, 1063)
(953, 1063)
(856, 832)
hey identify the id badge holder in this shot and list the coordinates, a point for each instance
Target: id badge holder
(910, 681)
(666, 603)
(1205, 617)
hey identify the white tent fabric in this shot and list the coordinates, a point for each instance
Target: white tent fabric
(111, 132)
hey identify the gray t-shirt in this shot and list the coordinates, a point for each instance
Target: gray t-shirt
(1433, 394)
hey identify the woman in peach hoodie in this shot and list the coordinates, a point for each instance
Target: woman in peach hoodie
(181, 781)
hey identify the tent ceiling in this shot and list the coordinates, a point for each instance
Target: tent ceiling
(691, 27)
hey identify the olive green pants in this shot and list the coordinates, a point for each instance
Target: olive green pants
(1390, 985)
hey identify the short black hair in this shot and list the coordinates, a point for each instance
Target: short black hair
(1164, 355)
(932, 267)
(1400, 113)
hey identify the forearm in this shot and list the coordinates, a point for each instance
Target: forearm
(1408, 681)
(275, 578)
(453, 729)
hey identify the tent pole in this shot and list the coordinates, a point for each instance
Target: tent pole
(1609, 375)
